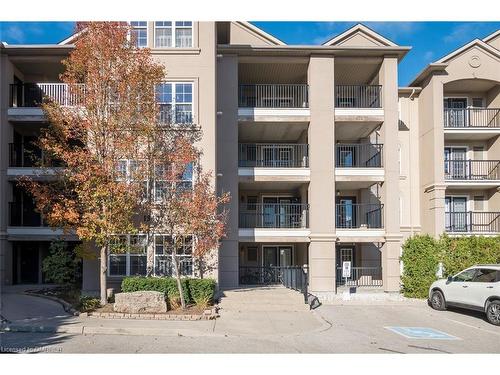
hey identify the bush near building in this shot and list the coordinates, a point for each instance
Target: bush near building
(422, 255)
(198, 291)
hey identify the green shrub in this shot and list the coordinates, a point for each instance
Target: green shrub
(88, 303)
(420, 259)
(198, 291)
(422, 254)
(60, 266)
(202, 291)
(462, 252)
(166, 285)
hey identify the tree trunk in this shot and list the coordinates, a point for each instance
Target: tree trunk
(150, 253)
(103, 275)
(178, 278)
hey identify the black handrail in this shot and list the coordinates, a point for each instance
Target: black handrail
(358, 96)
(358, 155)
(273, 155)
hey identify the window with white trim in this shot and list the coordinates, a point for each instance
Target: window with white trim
(127, 255)
(139, 33)
(184, 183)
(130, 171)
(169, 34)
(164, 247)
(176, 102)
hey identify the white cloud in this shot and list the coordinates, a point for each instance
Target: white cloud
(14, 33)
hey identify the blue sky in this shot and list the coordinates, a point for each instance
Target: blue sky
(430, 40)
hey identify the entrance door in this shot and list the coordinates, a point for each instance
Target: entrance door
(455, 162)
(456, 214)
(270, 256)
(346, 212)
(27, 262)
(286, 256)
(456, 113)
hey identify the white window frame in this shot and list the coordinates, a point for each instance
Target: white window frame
(163, 27)
(127, 255)
(173, 103)
(173, 27)
(186, 256)
(129, 36)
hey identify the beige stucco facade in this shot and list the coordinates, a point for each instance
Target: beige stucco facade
(325, 158)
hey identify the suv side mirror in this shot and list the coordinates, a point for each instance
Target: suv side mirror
(449, 279)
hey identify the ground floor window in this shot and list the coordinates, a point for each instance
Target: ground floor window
(128, 255)
(164, 247)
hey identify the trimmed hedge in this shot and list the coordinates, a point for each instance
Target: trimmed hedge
(420, 259)
(198, 291)
(422, 254)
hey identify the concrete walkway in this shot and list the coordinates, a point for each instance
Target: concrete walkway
(243, 312)
(17, 307)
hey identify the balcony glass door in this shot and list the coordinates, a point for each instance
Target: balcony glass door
(270, 256)
(455, 111)
(346, 212)
(276, 156)
(455, 164)
(286, 256)
(456, 214)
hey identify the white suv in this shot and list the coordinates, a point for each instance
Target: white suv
(476, 288)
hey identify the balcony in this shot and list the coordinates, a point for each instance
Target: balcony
(359, 103)
(22, 215)
(26, 99)
(358, 165)
(274, 215)
(472, 173)
(471, 123)
(273, 161)
(27, 159)
(359, 216)
(471, 222)
(273, 102)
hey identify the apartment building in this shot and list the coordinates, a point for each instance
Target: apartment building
(326, 159)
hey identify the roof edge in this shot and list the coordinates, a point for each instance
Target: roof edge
(491, 36)
(429, 69)
(477, 42)
(261, 32)
(363, 28)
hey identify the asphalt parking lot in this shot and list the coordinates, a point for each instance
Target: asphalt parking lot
(340, 329)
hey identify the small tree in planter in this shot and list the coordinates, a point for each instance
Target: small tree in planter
(188, 210)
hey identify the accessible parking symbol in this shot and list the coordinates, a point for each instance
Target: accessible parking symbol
(422, 333)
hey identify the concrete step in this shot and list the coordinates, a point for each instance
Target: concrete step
(262, 299)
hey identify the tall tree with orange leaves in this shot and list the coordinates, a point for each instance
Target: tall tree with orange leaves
(115, 117)
(111, 89)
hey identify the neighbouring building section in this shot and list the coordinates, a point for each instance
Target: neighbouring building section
(327, 160)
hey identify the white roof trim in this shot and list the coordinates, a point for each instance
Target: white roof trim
(491, 36)
(71, 38)
(357, 28)
(475, 42)
(261, 32)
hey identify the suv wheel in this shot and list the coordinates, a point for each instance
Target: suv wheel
(493, 312)
(437, 301)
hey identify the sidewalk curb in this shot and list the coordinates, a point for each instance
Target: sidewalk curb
(91, 330)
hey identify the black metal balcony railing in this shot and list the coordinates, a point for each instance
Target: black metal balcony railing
(273, 96)
(362, 155)
(358, 96)
(472, 170)
(21, 215)
(178, 115)
(359, 215)
(360, 277)
(274, 215)
(34, 94)
(472, 118)
(472, 222)
(23, 155)
(269, 155)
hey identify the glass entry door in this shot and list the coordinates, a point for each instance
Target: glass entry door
(455, 162)
(286, 256)
(456, 214)
(454, 108)
(346, 212)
